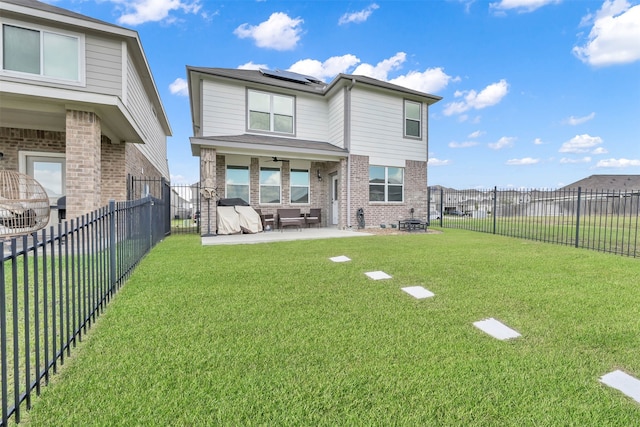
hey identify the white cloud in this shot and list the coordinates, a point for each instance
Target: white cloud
(504, 142)
(465, 144)
(538, 141)
(580, 144)
(573, 121)
(329, 68)
(476, 134)
(179, 87)
(438, 162)
(490, 95)
(566, 160)
(430, 80)
(279, 32)
(523, 161)
(251, 66)
(138, 12)
(521, 6)
(381, 70)
(358, 17)
(600, 150)
(614, 37)
(617, 163)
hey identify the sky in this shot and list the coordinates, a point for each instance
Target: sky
(535, 93)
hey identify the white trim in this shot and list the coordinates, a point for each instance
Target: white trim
(22, 158)
(82, 78)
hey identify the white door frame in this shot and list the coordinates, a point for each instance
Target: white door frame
(335, 200)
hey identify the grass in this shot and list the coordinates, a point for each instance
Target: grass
(276, 334)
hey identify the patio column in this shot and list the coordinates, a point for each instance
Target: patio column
(83, 171)
(208, 191)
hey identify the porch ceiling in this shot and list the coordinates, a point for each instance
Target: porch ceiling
(260, 145)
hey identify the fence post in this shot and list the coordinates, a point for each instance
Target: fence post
(578, 218)
(112, 244)
(441, 205)
(495, 207)
(3, 340)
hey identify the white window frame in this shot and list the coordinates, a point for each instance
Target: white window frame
(386, 184)
(81, 81)
(260, 184)
(271, 112)
(292, 186)
(25, 157)
(406, 119)
(226, 180)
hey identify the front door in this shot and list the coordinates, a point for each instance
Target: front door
(334, 200)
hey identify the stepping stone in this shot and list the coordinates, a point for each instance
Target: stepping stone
(378, 275)
(623, 382)
(418, 292)
(496, 329)
(340, 258)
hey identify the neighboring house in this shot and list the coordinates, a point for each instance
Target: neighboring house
(79, 109)
(608, 182)
(280, 139)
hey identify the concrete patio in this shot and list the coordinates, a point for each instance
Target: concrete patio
(281, 236)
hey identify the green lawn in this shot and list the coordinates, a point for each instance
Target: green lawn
(276, 334)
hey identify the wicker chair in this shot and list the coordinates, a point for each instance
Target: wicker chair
(267, 220)
(314, 217)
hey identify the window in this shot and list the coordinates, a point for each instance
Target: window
(41, 53)
(237, 182)
(412, 119)
(46, 168)
(386, 184)
(270, 112)
(299, 186)
(269, 185)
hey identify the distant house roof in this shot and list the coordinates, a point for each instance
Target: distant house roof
(608, 182)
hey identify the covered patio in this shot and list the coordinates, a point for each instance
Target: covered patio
(282, 236)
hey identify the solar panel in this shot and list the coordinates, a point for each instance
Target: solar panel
(290, 76)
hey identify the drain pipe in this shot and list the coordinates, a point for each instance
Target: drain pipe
(347, 143)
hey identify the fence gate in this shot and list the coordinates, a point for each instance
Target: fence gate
(182, 202)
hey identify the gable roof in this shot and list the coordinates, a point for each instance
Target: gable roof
(608, 182)
(256, 76)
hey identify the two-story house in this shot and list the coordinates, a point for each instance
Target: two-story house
(79, 109)
(281, 139)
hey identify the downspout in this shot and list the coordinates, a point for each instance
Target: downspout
(347, 145)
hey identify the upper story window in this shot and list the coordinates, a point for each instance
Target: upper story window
(41, 53)
(270, 112)
(299, 185)
(412, 119)
(237, 182)
(386, 184)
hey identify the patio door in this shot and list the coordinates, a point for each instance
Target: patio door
(48, 169)
(334, 200)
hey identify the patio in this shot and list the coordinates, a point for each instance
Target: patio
(282, 236)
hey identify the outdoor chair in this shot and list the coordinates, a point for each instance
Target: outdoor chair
(267, 220)
(290, 218)
(314, 217)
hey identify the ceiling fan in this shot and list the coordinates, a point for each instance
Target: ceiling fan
(275, 159)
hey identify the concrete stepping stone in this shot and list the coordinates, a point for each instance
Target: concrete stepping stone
(340, 258)
(623, 382)
(496, 329)
(378, 275)
(418, 292)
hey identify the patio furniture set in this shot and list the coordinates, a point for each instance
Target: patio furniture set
(290, 217)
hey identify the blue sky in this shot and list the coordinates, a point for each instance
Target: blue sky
(536, 93)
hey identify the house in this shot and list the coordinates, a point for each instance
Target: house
(79, 109)
(278, 139)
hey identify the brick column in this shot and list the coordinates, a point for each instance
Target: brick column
(208, 219)
(83, 171)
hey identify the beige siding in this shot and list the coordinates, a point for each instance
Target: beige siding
(312, 118)
(223, 109)
(140, 106)
(103, 65)
(377, 129)
(336, 119)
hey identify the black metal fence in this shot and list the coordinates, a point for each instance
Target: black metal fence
(56, 282)
(601, 220)
(182, 202)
